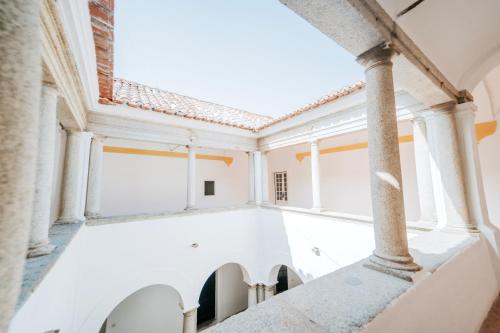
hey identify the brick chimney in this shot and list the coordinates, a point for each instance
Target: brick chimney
(102, 19)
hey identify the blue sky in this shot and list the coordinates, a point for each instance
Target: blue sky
(255, 55)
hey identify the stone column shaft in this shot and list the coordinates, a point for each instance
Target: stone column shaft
(258, 177)
(265, 178)
(315, 174)
(251, 178)
(75, 176)
(20, 78)
(428, 214)
(448, 179)
(252, 295)
(471, 166)
(391, 253)
(191, 180)
(261, 296)
(39, 237)
(269, 291)
(189, 324)
(95, 177)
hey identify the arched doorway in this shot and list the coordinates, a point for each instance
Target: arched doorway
(223, 295)
(286, 277)
(154, 309)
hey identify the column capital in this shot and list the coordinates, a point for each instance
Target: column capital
(466, 108)
(98, 138)
(314, 141)
(379, 55)
(50, 87)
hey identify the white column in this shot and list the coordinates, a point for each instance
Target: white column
(391, 253)
(251, 178)
(40, 223)
(20, 48)
(265, 178)
(315, 174)
(95, 177)
(466, 130)
(189, 324)
(258, 177)
(261, 296)
(428, 214)
(75, 176)
(448, 179)
(191, 180)
(269, 291)
(252, 295)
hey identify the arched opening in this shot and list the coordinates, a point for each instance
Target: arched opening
(223, 295)
(286, 277)
(154, 309)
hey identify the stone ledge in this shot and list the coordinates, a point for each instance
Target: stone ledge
(36, 268)
(347, 299)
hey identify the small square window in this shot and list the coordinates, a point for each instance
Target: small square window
(209, 187)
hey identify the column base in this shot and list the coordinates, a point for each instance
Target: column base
(189, 208)
(68, 220)
(470, 229)
(426, 224)
(400, 267)
(40, 250)
(318, 209)
(92, 216)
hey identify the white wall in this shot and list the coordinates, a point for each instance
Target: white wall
(231, 291)
(140, 184)
(105, 264)
(456, 298)
(345, 179)
(154, 309)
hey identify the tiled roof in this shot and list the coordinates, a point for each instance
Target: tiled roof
(147, 98)
(323, 100)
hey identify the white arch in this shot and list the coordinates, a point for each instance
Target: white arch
(244, 272)
(121, 288)
(477, 71)
(273, 274)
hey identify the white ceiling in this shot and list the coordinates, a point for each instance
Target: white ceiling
(461, 37)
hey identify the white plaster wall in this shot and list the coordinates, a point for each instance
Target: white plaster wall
(345, 179)
(456, 298)
(231, 291)
(489, 155)
(105, 264)
(139, 184)
(154, 309)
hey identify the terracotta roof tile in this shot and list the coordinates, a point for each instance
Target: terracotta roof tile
(144, 97)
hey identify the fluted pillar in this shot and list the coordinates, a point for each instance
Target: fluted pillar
(252, 295)
(191, 178)
(20, 48)
(39, 244)
(391, 253)
(428, 213)
(251, 178)
(449, 186)
(265, 178)
(95, 177)
(258, 176)
(189, 323)
(315, 174)
(75, 176)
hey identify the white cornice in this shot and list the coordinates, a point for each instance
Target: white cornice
(59, 61)
(124, 111)
(336, 122)
(111, 125)
(75, 18)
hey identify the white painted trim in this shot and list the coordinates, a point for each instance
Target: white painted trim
(75, 18)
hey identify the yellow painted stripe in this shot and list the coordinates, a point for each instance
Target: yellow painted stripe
(150, 152)
(482, 130)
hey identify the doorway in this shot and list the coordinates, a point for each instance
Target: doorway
(206, 310)
(280, 188)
